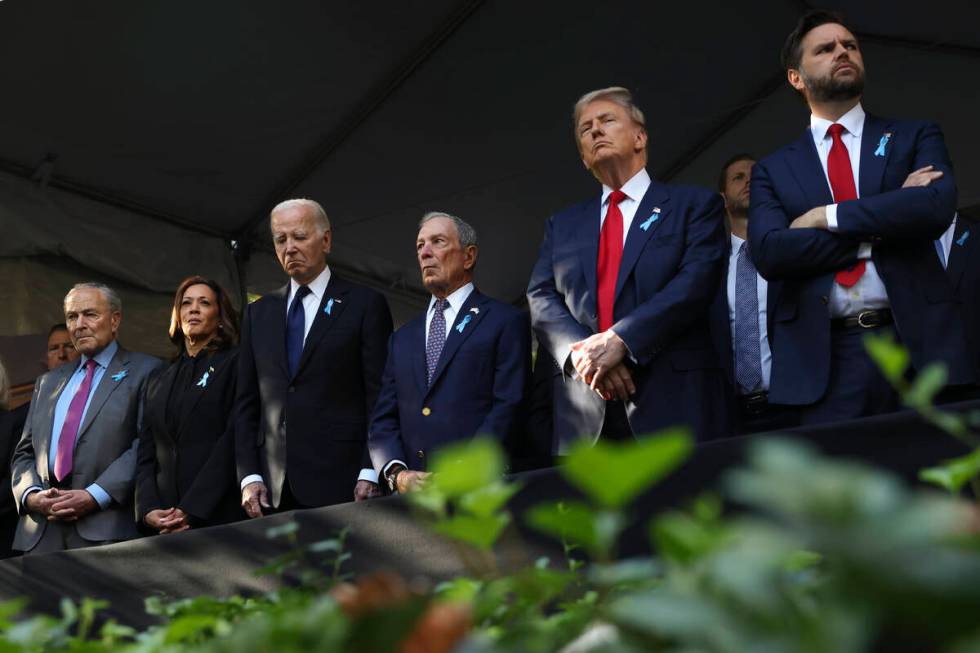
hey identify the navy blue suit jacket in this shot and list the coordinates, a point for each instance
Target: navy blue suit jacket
(963, 268)
(901, 223)
(478, 387)
(667, 279)
(311, 427)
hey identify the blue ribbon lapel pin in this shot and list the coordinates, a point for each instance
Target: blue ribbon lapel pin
(119, 376)
(880, 151)
(653, 218)
(466, 320)
(203, 382)
(962, 239)
(328, 309)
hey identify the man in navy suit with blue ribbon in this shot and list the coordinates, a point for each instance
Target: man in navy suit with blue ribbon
(460, 369)
(621, 291)
(846, 218)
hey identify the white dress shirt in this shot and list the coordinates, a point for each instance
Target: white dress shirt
(635, 189)
(311, 305)
(455, 302)
(946, 240)
(762, 291)
(869, 292)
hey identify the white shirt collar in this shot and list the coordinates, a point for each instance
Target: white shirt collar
(853, 122)
(317, 287)
(456, 299)
(736, 243)
(635, 188)
(103, 358)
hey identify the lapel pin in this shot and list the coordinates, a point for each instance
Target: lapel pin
(653, 218)
(119, 376)
(462, 325)
(475, 310)
(882, 143)
(329, 307)
(962, 239)
(203, 382)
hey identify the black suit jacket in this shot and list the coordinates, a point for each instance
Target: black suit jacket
(312, 428)
(194, 467)
(11, 427)
(963, 269)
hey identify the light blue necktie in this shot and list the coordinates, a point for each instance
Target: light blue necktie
(748, 359)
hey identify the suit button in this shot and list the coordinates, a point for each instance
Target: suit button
(825, 299)
(420, 454)
(426, 411)
(292, 389)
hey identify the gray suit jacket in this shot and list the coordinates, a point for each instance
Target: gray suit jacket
(105, 449)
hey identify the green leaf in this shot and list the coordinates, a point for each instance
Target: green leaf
(891, 357)
(289, 528)
(481, 532)
(324, 546)
(802, 559)
(614, 474)
(953, 474)
(928, 382)
(189, 628)
(460, 589)
(467, 466)
(566, 521)
(485, 501)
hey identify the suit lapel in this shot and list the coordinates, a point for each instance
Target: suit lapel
(476, 308)
(335, 300)
(59, 380)
(107, 385)
(872, 165)
(416, 336)
(959, 250)
(216, 365)
(656, 197)
(588, 239)
(804, 163)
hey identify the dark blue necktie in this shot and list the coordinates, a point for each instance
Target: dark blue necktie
(940, 251)
(295, 325)
(748, 360)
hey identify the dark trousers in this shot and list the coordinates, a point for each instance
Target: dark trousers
(615, 425)
(287, 501)
(757, 415)
(856, 387)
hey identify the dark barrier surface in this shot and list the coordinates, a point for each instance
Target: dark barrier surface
(221, 561)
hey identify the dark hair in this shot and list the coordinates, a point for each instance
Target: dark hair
(723, 175)
(792, 53)
(60, 326)
(227, 317)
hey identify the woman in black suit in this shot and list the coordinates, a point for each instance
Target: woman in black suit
(185, 474)
(11, 426)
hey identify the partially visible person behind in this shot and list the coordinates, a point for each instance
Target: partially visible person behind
(959, 251)
(741, 317)
(60, 349)
(75, 465)
(11, 425)
(458, 370)
(185, 475)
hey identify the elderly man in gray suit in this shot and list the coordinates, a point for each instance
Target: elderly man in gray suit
(74, 467)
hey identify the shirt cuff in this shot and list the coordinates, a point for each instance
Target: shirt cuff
(23, 497)
(101, 496)
(252, 478)
(384, 470)
(831, 217)
(368, 474)
(864, 251)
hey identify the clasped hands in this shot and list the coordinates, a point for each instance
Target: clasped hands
(171, 520)
(61, 505)
(598, 360)
(816, 218)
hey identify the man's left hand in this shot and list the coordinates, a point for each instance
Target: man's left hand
(365, 490)
(73, 505)
(815, 218)
(598, 354)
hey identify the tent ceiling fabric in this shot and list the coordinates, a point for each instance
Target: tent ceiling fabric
(199, 112)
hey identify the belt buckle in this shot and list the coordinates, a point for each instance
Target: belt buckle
(871, 316)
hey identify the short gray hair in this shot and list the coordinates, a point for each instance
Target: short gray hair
(615, 94)
(4, 387)
(111, 296)
(467, 234)
(319, 215)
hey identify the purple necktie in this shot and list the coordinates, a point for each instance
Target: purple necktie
(69, 431)
(437, 337)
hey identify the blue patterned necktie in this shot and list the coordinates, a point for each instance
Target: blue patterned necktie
(748, 358)
(295, 327)
(940, 251)
(437, 337)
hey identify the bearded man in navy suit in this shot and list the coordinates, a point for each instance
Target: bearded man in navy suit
(621, 291)
(846, 218)
(460, 369)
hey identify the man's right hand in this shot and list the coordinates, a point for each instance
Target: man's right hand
(410, 480)
(40, 502)
(255, 497)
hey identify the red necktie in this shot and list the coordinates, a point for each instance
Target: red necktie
(69, 431)
(610, 254)
(842, 184)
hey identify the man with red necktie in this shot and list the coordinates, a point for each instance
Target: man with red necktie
(621, 291)
(846, 217)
